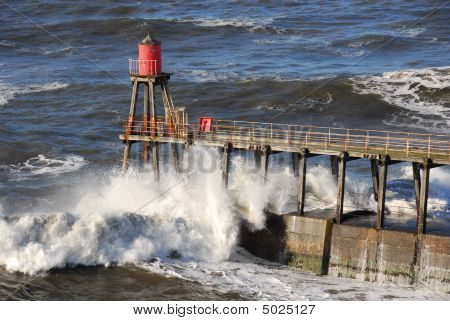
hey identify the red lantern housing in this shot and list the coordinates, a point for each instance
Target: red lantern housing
(150, 62)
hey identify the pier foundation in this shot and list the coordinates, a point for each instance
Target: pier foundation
(307, 243)
(363, 253)
(373, 255)
(297, 241)
(434, 263)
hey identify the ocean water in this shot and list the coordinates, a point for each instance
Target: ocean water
(74, 227)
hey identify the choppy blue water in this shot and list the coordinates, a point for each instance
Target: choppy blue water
(64, 91)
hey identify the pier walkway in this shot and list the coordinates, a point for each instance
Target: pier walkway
(372, 144)
(382, 148)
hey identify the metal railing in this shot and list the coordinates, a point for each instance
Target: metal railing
(285, 135)
(137, 67)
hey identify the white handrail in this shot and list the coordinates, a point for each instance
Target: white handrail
(139, 67)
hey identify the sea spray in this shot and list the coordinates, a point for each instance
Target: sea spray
(131, 218)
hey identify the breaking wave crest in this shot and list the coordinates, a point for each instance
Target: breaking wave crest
(250, 24)
(9, 92)
(44, 165)
(125, 218)
(422, 91)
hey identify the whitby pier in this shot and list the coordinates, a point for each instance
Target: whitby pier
(323, 245)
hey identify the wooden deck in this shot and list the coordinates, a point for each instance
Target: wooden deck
(356, 143)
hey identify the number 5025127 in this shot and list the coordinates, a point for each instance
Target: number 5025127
(288, 309)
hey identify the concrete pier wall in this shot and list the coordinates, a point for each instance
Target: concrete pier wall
(307, 243)
(363, 253)
(297, 241)
(353, 252)
(373, 255)
(434, 263)
(267, 243)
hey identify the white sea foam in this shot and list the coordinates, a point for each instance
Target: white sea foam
(118, 222)
(8, 44)
(201, 75)
(413, 32)
(8, 92)
(279, 40)
(44, 165)
(257, 279)
(36, 50)
(349, 52)
(302, 103)
(227, 74)
(362, 43)
(414, 90)
(251, 24)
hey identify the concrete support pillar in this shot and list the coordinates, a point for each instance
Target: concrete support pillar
(301, 181)
(126, 155)
(375, 177)
(384, 163)
(342, 163)
(424, 186)
(416, 175)
(226, 164)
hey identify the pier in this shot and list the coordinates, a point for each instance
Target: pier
(321, 245)
(380, 148)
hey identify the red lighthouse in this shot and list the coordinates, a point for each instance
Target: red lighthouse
(150, 62)
(146, 73)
